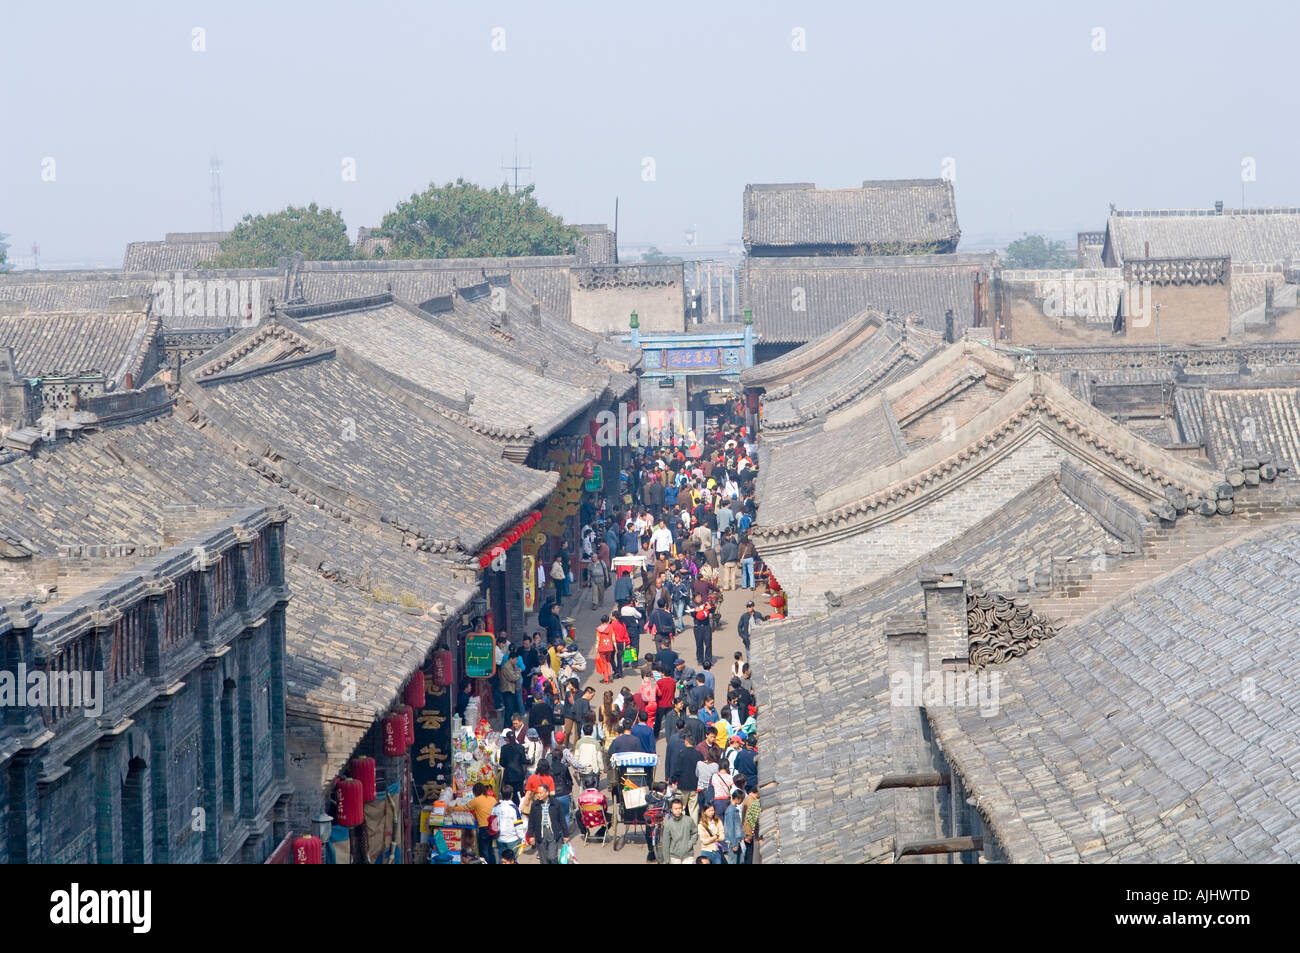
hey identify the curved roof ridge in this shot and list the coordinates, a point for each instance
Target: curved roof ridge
(808, 357)
(936, 467)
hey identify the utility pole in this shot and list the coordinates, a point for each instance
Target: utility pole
(517, 168)
(214, 174)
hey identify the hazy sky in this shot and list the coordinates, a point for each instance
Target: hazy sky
(1044, 131)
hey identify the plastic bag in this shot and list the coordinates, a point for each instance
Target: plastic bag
(567, 854)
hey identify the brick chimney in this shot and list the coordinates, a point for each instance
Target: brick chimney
(947, 636)
(916, 809)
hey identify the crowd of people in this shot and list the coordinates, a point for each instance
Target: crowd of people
(683, 518)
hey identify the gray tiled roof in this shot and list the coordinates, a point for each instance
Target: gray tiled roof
(836, 289)
(1090, 256)
(824, 690)
(874, 362)
(597, 245)
(344, 432)
(909, 213)
(437, 355)
(94, 290)
(1162, 728)
(1252, 423)
(814, 459)
(65, 343)
(116, 486)
(419, 280)
(1244, 235)
(180, 250)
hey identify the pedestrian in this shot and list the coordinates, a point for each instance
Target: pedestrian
(482, 804)
(686, 775)
(745, 764)
(712, 835)
(733, 826)
(541, 717)
(704, 772)
(746, 553)
(703, 631)
(619, 631)
(680, 834)
(600, 581)
(722, 788)
(509, 678)
(510, 824)
(534, 750)
(548, 827)
(753, 811)
(514, 763)
(745, 621)
(644, 733)
(605, 650)
(730, 557)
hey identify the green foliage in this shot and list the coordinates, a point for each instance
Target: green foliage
(462, 220)
(654, 255)
(4, 252)
(260, 241)
(1035, 252)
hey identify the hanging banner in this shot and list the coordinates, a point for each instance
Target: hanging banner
(431, 766)
(530, 583)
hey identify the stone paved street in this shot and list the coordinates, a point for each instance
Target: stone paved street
(725, 644)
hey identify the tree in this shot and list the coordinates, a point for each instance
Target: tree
(463, 220)
(260, 241)
(653, 254)
(1035, 251)
(4, 252)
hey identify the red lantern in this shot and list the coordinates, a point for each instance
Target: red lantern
(407, 714)
(588, 470)
(394, 736)
(595, 427)
(442, 673)
(487, 623)
(350, 811)
(308, 850)
(415, 690)
(363, 769)
(588, 446)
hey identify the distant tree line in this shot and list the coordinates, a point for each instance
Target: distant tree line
(1036, 252)
(456, 220)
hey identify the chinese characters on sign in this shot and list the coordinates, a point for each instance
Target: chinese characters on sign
(693, 358)
(480, 655)
(431, 766)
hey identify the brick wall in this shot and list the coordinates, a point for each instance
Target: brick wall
(659, 308)
(809, 572)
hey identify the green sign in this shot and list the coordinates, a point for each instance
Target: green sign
(597, 481)
(480, 655)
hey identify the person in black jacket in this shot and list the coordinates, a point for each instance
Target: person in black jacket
(547, 826)
(743, 623)
(514, 762)
(542, 717)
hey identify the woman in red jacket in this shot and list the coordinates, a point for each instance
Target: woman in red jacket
(605, 649)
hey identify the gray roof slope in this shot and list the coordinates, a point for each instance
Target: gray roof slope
(824, 687)
(906, 212)
(1162, 729)
(57, 344)
(46, 291)
(335, 628)
(419, 280)
(117, 486)
(1264, 235)
(334, 424)
(814, 459)
(876, 361)
(438, 356)
(837, 289)
(181, 250)
(1252, 422)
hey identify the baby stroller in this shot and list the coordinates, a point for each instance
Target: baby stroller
(593, 816)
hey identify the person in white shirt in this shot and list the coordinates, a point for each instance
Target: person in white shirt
(509, 822)
(662, 539)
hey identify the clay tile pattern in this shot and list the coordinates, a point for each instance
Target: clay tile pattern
(1160, 730)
